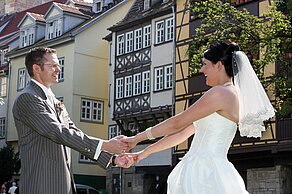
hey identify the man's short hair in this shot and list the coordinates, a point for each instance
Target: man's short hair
(36, 56)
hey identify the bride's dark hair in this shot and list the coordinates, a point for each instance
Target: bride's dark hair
(222, 51)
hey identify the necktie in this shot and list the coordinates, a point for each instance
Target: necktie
(51, 99)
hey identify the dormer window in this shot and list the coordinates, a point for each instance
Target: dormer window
(27, 37)
(54, 29)
(97, 6)
(146, 4)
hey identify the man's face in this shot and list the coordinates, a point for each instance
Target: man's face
(48, 75)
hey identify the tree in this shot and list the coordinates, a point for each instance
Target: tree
(9, 162)
(264, 39)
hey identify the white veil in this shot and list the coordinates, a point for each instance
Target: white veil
(254, 104)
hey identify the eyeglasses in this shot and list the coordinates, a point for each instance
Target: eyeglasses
(54, 66)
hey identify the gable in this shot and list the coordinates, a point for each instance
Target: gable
(53, 13)
(27, 21)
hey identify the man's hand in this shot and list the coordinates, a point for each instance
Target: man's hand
(115, 145)
(130, 141)
(124, 160)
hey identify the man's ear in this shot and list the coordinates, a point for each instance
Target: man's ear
(36, 68)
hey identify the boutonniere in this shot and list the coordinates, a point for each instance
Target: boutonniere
(59, 107)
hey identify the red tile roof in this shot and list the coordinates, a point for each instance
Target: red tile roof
(37, 17)
(41, 9)
(75, 10)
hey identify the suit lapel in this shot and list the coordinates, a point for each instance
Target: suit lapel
(39, 91)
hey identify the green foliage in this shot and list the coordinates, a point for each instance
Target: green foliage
(265, 40)
(9, 162)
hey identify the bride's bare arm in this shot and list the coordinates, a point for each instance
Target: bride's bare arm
(166, 142)
(215, 99)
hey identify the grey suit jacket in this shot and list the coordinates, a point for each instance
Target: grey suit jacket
(43, 134)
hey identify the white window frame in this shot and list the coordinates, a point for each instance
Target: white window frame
(145, 82)
(21, 78)
(24, 38)
(159, 32)
(62, 68)
(119, 88)
(147, 36)
(97, 111)
(158, 79)
(120, 44)
(138, 39)
(3, 59)
(58, 27)
(89, 112)
(114, 131)
(3, 85)
(137, 84)
(128, 86)
(50, 30)
(31, 36)
(129, 42)
(168, 77)
(146, 4)
(169, 29)
(2, 127)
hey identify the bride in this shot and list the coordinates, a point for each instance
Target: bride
(236, 100)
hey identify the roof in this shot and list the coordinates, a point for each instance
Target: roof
(37, 17)
(8, 39)
(17, 17)
(74, 10)
(137, 15)
(83, 3)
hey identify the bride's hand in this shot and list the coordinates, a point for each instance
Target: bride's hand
(138, 156)
(131, 141)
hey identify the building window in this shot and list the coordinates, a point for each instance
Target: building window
(2, 127)
(50, 30)
(24, 38)
(91, 110)
(59, 27)
(163, 78)
(168, 77)
(137, 84)
(61, 73)
(164, 30)
(159, 35)
(147, 36)
(169, 29)
(114, 131)
(21, 81)
(158, 79)
(138, 39)
(85, 159)
(3, 84)
(120, 43)
(146, 4)
(129, 42)
(3, 59)
(128, 86)
(54, 28)
(146, 82)
(119, 88)
(97, 7)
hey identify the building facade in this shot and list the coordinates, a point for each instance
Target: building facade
(141, 89)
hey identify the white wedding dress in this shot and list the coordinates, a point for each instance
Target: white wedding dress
(205, 169)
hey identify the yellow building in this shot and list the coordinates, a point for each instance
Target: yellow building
(264, 163)
(83, 84)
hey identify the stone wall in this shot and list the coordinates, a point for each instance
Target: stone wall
(2, 9)
(11, 6)
(273, 180)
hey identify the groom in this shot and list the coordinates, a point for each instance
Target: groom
(46, 132)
